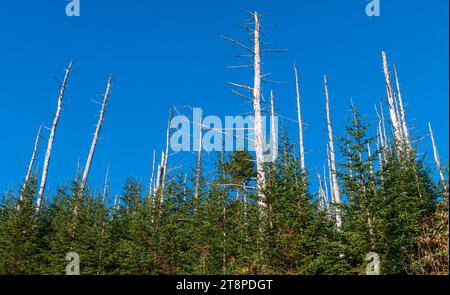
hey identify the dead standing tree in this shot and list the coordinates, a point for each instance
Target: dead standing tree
(300, 121)
(274, 133)
(198, 169)
(255, 52)
(402, 111)
(165, 157)
(396, 125)
(51, 139)
(334, 183)
(152, 177)
(101, 117)
(438, 161)
(30, 166)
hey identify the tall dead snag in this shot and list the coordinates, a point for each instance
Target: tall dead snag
(378, 142)
(31, 164)
(165, 156)
(158, 174)
(152, 176)
(325, 184)
(261, 176)
(383, 126)
(300, 122)
(437, 160)
(106, 186)
(335, 186)
(52, 137)
(101, 117)
(323, 202)
(402, 111)
(198, 170)
(381, 141)
(274, 135)
(256, 101)
(391, 102)
(330, 177)
(369, 154)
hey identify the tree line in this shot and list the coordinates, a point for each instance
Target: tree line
(248, 216)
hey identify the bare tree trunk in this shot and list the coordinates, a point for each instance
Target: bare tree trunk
(437, 160)
(116, 202)
(350, 162)
(327, 197)
(380, 159)
(31, 164)
(184, 187)
(402, 111)
(105, 187)
(87, 167)
(330, 174)
(391, 103)
(381, 141)
(52, 138)
(198, 171)
(383, 125)
(261, 177)
(274, 137)
(152, 176)
(321, 193)
(335, 188)
(300, 122)
(322, 198)
(166, 156)
(369, 153)
(158, 173)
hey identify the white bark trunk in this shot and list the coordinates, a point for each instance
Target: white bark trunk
(274, 136)
(402, 111)
(166, 156)
(437, 160)
(198, 172)
(321, 193)
(391, 103)
(369, 153)
(383, 125)
(261, 177)
(31, 164)
(380, 159)
(335, 189)
(105, 186)
(325, 184)
(380, 139)
(52, 138)
(98, 128)
(330, 173)
(116, 202)
(323, 203)
(300, 122)
(152, 176)
(159, 173)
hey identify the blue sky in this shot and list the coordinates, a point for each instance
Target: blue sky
(165, 53)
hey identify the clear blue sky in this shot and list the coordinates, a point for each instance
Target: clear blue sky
(166, 53)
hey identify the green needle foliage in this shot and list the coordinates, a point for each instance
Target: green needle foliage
(395, 210)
